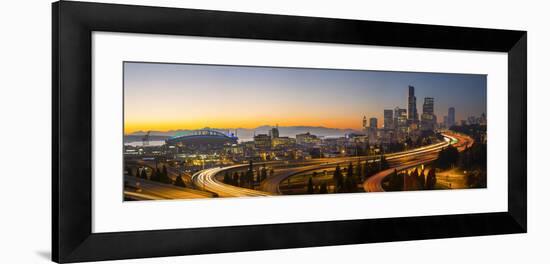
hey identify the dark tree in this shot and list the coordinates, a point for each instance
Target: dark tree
(350, 170)
(338, 178)
(409, 142)
(162, 176)
(235, 179)
(179, 181)
(431, 180)
(476, 179)
(226, 178)
(242, 179)
(359, 171)
(323, 189)
(447, 157)
(414, 179)
(166, 179)
(365, 169)
(395, 181)
(249, 178)
(383, 163)
(164, 171)
(474, 157)
(263, 175)
(310, 186)
(256, 176)
(350, 184)
(143, 174)
(155, 175)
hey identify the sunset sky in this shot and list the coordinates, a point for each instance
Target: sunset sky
(185, 96)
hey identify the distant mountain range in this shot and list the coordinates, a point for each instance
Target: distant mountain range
(248, 133)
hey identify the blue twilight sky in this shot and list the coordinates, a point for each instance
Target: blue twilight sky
(186, 96)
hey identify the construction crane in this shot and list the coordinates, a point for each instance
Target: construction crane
(145, 138)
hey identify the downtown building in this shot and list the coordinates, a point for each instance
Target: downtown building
(400, 123)
(307, 139)
(450, 117)
(413, 131)
(388, 119)
(412, 111)
(428, 119)
(372, 131)
(262, 141)
(387, 134)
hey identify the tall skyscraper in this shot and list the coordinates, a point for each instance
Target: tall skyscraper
(400, 122)
(388, 119)
(373, 130)
(428, 119)
(373, 123)
(428, 106)
(400, 117)
(451, 117)
(413, 114)
(364, 122)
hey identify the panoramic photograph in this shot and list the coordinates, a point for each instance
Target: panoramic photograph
(196, 131)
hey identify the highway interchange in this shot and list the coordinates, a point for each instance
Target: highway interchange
(207, 182)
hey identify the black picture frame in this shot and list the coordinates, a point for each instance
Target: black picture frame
(73, 24)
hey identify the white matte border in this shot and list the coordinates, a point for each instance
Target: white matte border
(111, 214)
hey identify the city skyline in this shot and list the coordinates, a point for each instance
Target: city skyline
(264, 131)
(166, 97)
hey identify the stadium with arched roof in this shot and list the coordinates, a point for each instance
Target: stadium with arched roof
(200, 139)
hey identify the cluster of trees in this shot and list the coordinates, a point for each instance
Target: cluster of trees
(179, 181)
(161, 175)
(345, 180)
(476, 179)
(157, 174)
(395, 181)
(128, 171)
(247, 178)
(408, 181)
(447, 158)
(474, 157)
(476, 131)
(240, 179)
(138, 172)
(394, 147)
(425, 138)
(474, 160)
(311, 188)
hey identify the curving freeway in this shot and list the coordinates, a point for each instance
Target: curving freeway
(141, 189)
(405, 161)
(272, 184)
(206, 180)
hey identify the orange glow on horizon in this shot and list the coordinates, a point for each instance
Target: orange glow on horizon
(341, 123)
